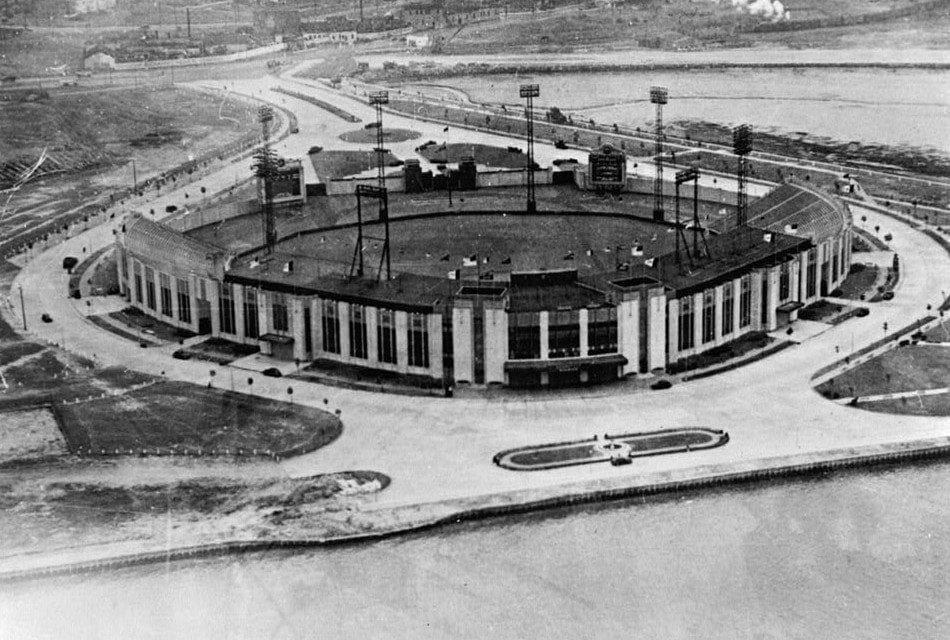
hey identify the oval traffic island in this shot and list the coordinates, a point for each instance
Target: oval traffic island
(616, 448)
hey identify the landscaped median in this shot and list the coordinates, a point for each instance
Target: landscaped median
(610, 448)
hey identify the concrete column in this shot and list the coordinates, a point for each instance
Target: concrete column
(757, 301)
(717, 314)
(297, 329)
(673, 320)
(402, 343)
(237, 296)
(193, 300)
(628, 332)
(372, 334)
(462, 341)
(794, 271)
(736, 314)
(173, 285)
(496, 341)
(263, 318)
(771, 322)
(212, 289)
(435, 345)
(803, 276)
(656, 333)
(343, 310)
(316, 322)
(582, 320)
(544, 320)
(698, 321)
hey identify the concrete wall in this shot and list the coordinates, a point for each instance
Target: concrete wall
(184, 62)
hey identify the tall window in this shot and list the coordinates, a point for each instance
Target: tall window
(137, 269)
(709, 316)
(226, 307)
(785, 281)
(184, 301)
(386, 336)
(810, 285)
(251, 329)
(279, 312)
(150, 287)
(685, 332)
(417, 339)
(358, 331)
(165, 294)
(728, 306)
(564, 334)
(745, 301)
(602, 330)
(524, 336)
(330, 324)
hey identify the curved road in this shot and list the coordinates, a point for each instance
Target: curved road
(436, 449)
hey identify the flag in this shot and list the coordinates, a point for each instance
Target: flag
(507, 260)
(289, 266)
(444, 258)
(590, 252)
(767, 237)
(636, 250)
(470, 261)
(486, 259)
(454, 274)
(649, 262)
(444, 130)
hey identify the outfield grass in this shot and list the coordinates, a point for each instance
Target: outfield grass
(180, 416)
(909, 368)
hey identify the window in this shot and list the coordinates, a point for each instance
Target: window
(810, 285)
(745, 301)
(226, 307)
(709, 316)
(358, 331)
(564, 334)
(602, 330)
(138, 281)
(417, 335)
(279, 312)
(165, 291)
(685, 330)
(330, 324)
(728, 306)
(386, 336)
(251, 329)
(150, 287)
(764, 300)
(184, 301)
(524, 336)
(784, 282)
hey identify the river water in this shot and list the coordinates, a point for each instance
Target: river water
(854, 555)
(876, 106)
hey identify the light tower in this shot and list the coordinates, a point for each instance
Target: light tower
(265, 167)
(659, 97)
(529, 92)
(741, 146)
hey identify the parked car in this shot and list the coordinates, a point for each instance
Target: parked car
(181, 355)
(560, 144)
(661, 384)
(46, 318)
(315, 149)
(272, 372)
(861, 312)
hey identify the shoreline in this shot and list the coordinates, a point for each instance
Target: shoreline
(513, 503)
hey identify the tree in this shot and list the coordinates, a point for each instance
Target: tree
(554, 115)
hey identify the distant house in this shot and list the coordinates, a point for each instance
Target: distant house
(418, 42)
(98, 60)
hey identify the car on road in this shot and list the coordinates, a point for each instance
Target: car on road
(560, 144)
(661, 384)
(46, 318)
(181, 355)
(272, 372)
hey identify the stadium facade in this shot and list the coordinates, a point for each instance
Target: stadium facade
(526, 326)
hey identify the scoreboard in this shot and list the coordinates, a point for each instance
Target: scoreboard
(608, 168)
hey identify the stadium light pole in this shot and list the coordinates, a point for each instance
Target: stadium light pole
(658, 96)
(377, 99)
(529, 92)
(742, 147)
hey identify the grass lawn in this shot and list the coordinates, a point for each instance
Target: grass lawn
(820, 311)
(903, 369)
(137, 319)
(749, 342)
(938, 405)
(340, 164)
(12, 351)
(368, 136)
(860, 281)
(484, 154)
(220, 351)
(181, 416)
(940, 333)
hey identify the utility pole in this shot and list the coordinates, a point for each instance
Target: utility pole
(22, 307)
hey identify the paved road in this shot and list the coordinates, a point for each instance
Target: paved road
(435, 448)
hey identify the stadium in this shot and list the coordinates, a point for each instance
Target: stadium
(581, 286)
